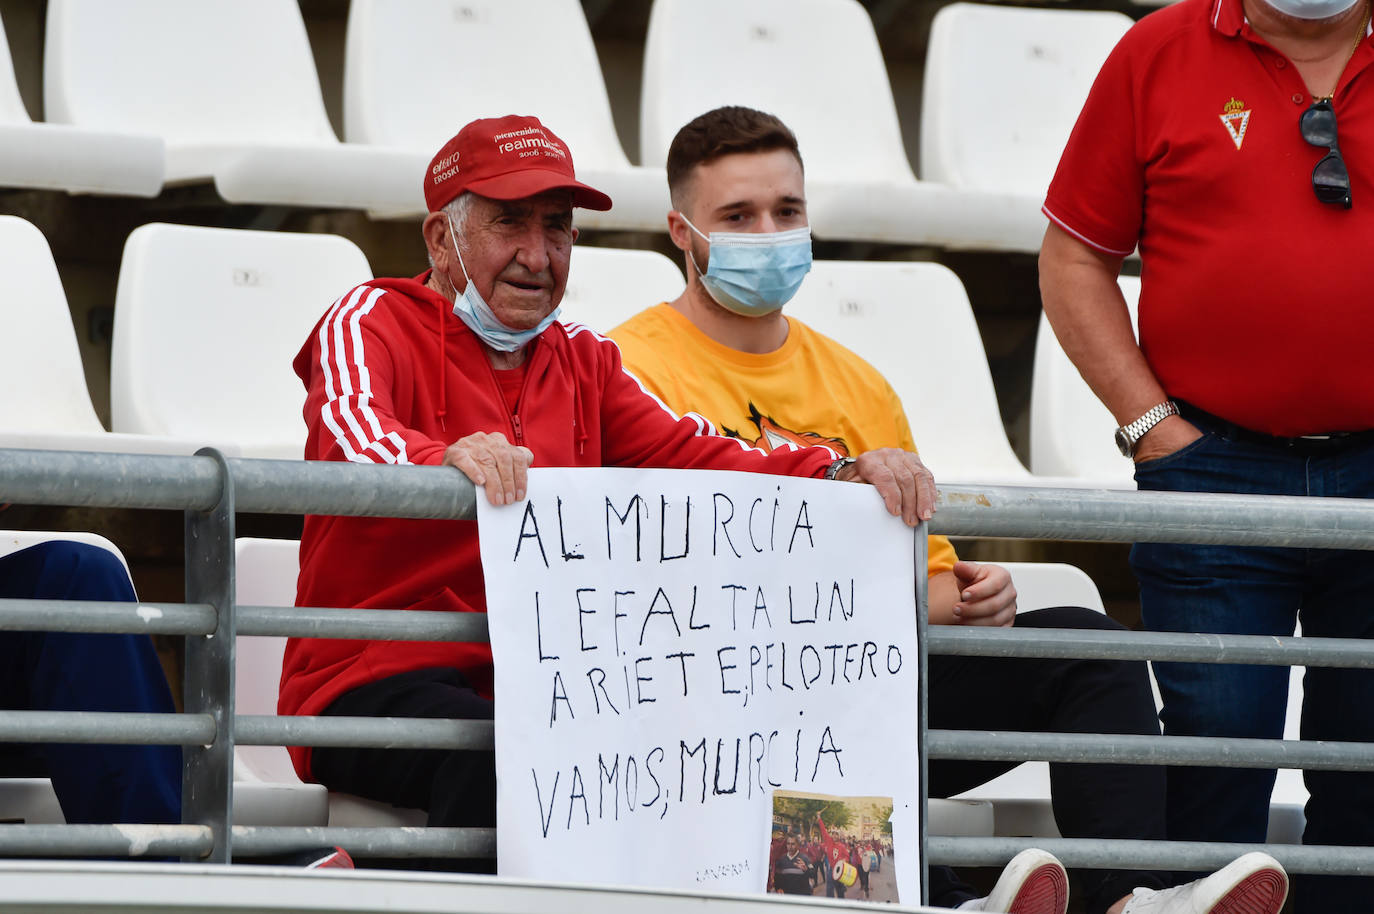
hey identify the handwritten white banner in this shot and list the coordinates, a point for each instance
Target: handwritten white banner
(673, 646)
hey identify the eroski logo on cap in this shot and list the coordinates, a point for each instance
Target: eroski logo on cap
(528, 141)
(442, 170)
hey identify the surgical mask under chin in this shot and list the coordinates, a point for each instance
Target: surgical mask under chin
(754, 273)
(1312, 9)
(473, 310)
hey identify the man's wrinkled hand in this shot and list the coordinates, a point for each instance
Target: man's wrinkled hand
(986, 595)
(492, 462)
(906, 486)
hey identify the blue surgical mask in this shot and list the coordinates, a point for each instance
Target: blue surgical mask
(1312, 9)
(474, 311)
(754, 273)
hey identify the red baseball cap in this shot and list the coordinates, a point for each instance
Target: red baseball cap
(506, 158)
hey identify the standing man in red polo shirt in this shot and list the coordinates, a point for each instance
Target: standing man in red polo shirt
(1233, 142)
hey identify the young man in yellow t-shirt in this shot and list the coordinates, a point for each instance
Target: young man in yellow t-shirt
(724, 349)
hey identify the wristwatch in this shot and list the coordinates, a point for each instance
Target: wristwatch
(1128, 436)
(834, 469)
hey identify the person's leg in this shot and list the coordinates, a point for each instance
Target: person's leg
(455, 788)
(1338, 704)
(1060, 696)
(1223, 590)
(55, 671)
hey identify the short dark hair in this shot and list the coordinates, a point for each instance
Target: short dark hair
(721, 132)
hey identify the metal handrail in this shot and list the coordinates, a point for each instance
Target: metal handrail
(211, 490)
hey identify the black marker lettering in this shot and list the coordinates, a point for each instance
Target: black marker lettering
(582, 632)
(870, 651)
(715, 508)
(560, 693)
(691, 616)
(578, 793)
(803, 523)
(568, 556)
(681, 657)
(539, 632)
(612, 778)
(543, 819)
(720, 661)
(529, 520)
(663, 556)
(636, 503)
(600, 683)
(760, 606)
(833, 752)
(639, 690)
(659, 612)
(683, 753)
(752, 507)
(734, 783)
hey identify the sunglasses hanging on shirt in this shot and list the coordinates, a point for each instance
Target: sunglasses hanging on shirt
(1330, 179)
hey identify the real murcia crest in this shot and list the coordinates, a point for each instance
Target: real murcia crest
(1235, 117)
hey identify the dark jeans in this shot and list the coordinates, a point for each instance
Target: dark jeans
(1056, 696)
(55, 671)
(1262, 591)
(456, 788)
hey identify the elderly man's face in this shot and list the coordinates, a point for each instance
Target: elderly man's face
(517, 253)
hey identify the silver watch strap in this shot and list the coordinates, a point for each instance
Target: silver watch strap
(1153, 416)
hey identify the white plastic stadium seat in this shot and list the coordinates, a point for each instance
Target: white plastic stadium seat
(816, 64)
(1070, 430)
(230, 84)
(608, 286)
(207, 322)
(401, 52)
(913, 322)
(265, 575)
(1003, 88)
(61, 157)
(49, 406)
(31, 801)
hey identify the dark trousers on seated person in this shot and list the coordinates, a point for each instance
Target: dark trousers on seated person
(456, 788)
(1262, 591)
(72, 671)
(1055, 696)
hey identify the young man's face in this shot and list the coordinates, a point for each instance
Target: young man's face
(745, 192)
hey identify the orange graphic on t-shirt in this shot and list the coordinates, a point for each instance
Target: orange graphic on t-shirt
(772, 435)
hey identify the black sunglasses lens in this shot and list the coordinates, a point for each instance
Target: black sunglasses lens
(1331, 181)
(1318, 125)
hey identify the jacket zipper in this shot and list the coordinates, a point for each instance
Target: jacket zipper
(517, 430)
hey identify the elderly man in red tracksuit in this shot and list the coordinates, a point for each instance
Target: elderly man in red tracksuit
(467, 366)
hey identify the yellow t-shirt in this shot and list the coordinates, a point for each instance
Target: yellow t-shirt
(810, 391)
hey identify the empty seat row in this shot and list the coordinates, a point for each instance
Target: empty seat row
(207, 322)
(145, 100)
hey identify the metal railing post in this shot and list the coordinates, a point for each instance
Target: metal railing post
(207, 772)
(920, 549)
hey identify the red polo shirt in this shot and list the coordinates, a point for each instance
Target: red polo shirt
(1257, 301)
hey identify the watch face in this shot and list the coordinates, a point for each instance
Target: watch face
(1123, 443)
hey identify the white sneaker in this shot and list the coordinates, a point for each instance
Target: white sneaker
(1251, 884)
(1034, 882)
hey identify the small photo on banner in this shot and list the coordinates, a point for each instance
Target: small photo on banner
(673, 648)
(832, 846)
